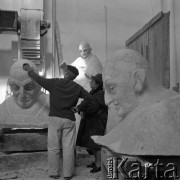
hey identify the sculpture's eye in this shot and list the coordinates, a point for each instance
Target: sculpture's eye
(29, 87)
(15, 87)
(83, 50)
(111, 88)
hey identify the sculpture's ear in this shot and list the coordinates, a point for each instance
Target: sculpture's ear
(9, 82)
(139, 77)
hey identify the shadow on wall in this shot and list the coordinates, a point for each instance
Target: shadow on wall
(6, 60)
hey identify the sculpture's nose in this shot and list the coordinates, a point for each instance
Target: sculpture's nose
(22, 92)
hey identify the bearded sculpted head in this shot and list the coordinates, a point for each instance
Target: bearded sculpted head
(125, 78)
(25, 90)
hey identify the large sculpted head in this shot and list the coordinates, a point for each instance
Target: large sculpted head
(124, 79)
(84, 49)
(149, 123)
(25, 90)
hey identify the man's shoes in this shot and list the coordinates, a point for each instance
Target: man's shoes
(95, 169)
(92, 165)
(54, 176)
(67, 178)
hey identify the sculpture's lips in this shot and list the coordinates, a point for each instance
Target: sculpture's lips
(24, 100)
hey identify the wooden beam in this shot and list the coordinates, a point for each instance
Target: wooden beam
(144, 28)
(23, 126)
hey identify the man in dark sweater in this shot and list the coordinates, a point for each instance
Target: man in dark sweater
(64, 94)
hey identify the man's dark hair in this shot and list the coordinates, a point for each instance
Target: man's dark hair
(73, 69)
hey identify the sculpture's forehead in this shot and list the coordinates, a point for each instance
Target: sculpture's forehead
(16, 70)
(19, 74)
(20, 82)
(115, 69)
(84, 46)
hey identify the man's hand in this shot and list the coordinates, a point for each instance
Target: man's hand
(27, 67)
(75, 109)
(63, 66)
